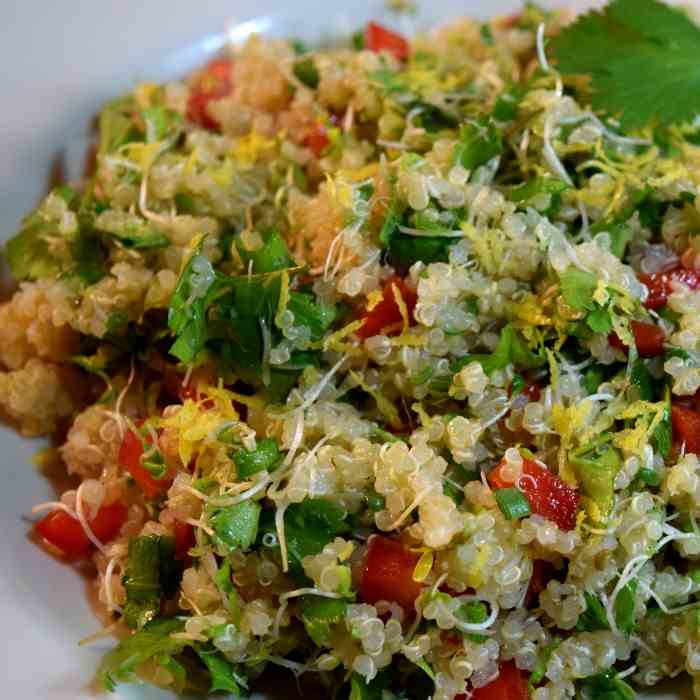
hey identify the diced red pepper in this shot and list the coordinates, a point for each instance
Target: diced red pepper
(659, 284)
(531, 390)
(184, 540)
(386, 315)
(541, 573)
(214, 82)
(695, 400)
(547, 494)
(378, 38)
(388, 573)
(510, 685)
(130, 453)
(686, 427)
(648, 338)
(65, 532)
(317, 139)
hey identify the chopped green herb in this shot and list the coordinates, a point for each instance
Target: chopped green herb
(153, 642)
(321, 616)
(265, 457)
(593, 617)
(577, 288)
(513, 503)
(479, 142)
(629, 39)
(306, 71)
(236, 526)
(224, 677)
(605, 686)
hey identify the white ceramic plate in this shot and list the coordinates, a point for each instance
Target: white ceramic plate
(61, 61)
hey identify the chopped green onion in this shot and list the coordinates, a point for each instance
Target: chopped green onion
(512, 503)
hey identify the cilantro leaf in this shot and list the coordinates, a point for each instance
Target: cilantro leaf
(642, 379)
(27, 253)
(305, 70)
(151, 642)
(405, 250)
(605, 686)
(511, 349)
(162, 124)
(479, 142)
(538, 673)
(593, 617)
(538, 185)
(361, 690)
(577, 288)
(629, 39)
(273, 256)
(624, 607)
(188, 307)
(318, 318)
(138, 234)
(320, 617)
(117, 125)
(311, 525)
(266, 456)
(237, 526)
(224, 677)
(473, 612)
(508, 103)
(599, 320)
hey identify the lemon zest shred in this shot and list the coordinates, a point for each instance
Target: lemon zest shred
(403, 309)
(340, 334)
(374, 298)
(425, 419)
(423, 566)
(190, 162)
(409, 339)
(248, 149)
(359, 174)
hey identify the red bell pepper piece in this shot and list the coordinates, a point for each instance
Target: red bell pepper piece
(659, 284)
(686, 427)
(531, 390)
(547, 494)
(648, 338)
(386, 313)
(130, 454)
(695, 400)
(388, 573)
(184, 540)
(65, 532)
(510, 685)
(317, 139)
(214, 82)
(378, 38)
(541, 573)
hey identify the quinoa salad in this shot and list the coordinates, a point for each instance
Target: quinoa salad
(378, 363)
